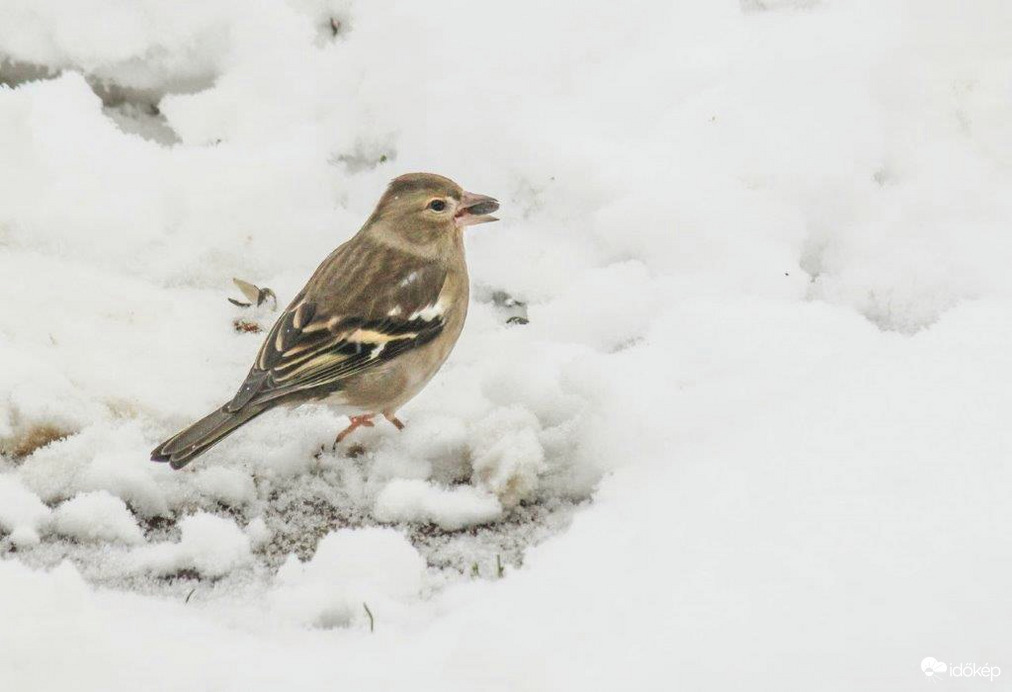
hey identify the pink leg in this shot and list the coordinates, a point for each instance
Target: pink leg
(363, 421)
(395, 420)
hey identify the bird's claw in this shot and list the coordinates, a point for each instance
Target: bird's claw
(363, 421)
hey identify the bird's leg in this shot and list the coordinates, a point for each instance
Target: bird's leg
(363, 421)
(395, 420)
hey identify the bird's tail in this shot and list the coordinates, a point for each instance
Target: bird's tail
(189, 443)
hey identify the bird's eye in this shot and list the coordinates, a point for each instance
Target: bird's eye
(437, 205)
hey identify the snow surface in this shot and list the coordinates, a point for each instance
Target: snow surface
(453, 508)
(96, 516)
(754, 434)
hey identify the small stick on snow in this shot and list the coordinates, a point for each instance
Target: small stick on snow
(368, 612)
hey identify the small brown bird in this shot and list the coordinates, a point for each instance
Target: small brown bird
(372, 326)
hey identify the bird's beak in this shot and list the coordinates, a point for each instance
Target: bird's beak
(475, 209)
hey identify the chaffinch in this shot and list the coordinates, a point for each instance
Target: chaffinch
(373, 324)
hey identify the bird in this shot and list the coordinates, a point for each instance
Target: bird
(372, 325)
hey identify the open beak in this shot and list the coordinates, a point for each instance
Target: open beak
(475, 209)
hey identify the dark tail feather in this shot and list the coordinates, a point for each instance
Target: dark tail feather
(180, 449)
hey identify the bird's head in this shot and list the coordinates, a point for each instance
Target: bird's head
(425, 208)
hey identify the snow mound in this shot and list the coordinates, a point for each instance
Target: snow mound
(97, 517)
(231, 487)
(352, 569)
(212, 546)
(507, 454)
(449, 508)
(22, 513)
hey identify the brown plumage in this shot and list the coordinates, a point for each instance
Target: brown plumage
(374, 322)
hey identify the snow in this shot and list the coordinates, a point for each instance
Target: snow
(372, 566)
(258, 532)
(753, 434)
(22, 513)
(228, 486)
(507, 455)
(452, 509)
(211, 545)
(96, 516)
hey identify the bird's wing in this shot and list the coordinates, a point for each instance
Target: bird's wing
(382, 305)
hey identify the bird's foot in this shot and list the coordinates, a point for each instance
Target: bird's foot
(363, 421)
